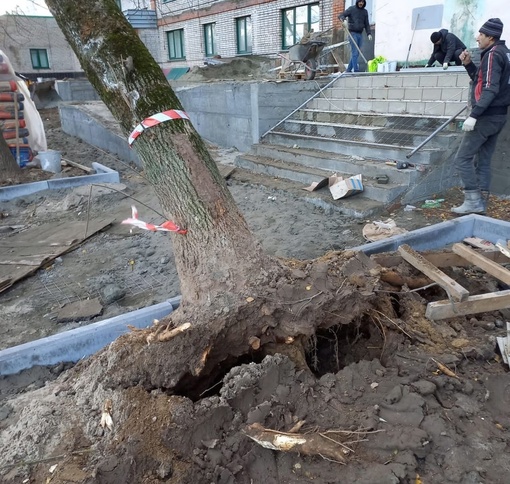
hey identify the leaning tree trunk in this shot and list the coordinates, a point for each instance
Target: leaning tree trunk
(237, 299)
(9, 169)
(218, 254)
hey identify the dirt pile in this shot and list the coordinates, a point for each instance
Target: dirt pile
(238, 68)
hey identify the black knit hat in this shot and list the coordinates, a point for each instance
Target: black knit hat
(435, 37)
(492, 28)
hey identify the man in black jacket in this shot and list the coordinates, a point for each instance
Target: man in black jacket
(447, 48)
(354, 20)
(490, 98)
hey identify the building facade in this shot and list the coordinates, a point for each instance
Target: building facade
(183, 33)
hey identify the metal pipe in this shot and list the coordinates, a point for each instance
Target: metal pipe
(425, 141)
(306, 102)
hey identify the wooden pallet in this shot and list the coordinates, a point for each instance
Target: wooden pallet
(459, 302)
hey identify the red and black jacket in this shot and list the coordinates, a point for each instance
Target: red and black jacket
(490, 92)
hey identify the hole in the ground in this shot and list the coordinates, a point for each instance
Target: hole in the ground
(208, 385)
(332, 349)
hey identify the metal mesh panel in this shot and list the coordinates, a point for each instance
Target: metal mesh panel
(372, 111)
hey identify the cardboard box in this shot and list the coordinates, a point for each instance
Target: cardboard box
(344, 187)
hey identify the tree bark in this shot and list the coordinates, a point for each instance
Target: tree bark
(218, 255)
(9, 169)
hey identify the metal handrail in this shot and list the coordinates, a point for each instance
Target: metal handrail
(438, 130)
(299, 107)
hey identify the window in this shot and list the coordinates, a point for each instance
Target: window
(175, 39)
(243, 35)
(297, 21)
(209, 39)
(39, 58)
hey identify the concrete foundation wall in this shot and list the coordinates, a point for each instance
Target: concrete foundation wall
(237, 114)
(76, 90)
(80, 121)
(227, 114)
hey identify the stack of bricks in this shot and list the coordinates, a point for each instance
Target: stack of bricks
(12, 122)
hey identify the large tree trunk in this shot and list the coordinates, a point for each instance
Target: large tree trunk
(9, 169)
(239, 300)
(218, 255)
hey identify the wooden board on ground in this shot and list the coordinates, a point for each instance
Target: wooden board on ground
(492, 268)
(225, 170)
(472, 305)
(439, 259)
(23, 253)
(452, 288)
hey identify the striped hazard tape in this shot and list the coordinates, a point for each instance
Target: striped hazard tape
(154, 120)
(167, 226)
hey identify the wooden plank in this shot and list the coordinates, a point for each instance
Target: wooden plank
(492, 268)
(339, 61)
(452, 288)
(472, 305)
(86, 169)
(439, 259)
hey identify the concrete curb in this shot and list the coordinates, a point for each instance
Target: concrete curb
(103, 175)
(443, 234)
(73, 345)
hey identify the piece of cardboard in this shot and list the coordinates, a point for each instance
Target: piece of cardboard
(316, 185)
(344, 187)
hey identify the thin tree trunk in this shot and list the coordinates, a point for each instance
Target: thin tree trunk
(9, 169)
(218, 255)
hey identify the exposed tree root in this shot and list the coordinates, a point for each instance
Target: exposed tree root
(307, 444)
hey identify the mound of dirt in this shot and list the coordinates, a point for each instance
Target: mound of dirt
(238, 68)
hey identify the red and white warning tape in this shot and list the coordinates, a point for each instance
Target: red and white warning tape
(154, 120)
(167, 226)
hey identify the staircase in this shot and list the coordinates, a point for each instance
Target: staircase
(360, 122)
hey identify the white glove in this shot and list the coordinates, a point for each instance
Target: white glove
(369, 37)
(469, 124)
(445, 66)
(346, 24)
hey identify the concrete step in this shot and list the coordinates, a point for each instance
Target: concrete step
(356, 206)
(384, 193)
(456, 94)
(395, 107)
(376, 151)
(403, 121)
(427, 78)
(336, 163)
(371, 134)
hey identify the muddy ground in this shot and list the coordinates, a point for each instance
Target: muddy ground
(377, 385)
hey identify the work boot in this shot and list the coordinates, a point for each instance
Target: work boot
(485, 199)
(473, 203)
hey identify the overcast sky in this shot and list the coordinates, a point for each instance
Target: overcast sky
(27, 7)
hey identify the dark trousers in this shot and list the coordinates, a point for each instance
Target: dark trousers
(482, 142)
(441, 55)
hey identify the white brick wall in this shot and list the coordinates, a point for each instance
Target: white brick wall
(266, 29)
(19, 34)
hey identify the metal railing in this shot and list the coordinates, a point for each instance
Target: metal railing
(380, 116)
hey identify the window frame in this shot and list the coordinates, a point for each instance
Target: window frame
(173, 33)
(242, 25)
(209, 30)
(38, 53)
(309, 24)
